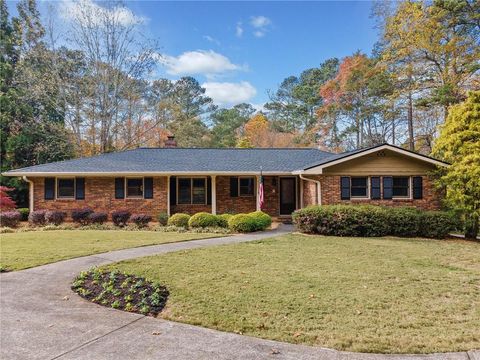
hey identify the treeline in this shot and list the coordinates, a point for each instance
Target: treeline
(92, 89)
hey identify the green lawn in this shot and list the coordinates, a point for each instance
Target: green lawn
(28, 249)
(385, 295)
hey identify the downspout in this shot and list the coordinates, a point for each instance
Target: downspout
(319, 188)
(30, 192)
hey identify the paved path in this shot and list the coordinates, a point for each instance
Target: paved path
(41, 318)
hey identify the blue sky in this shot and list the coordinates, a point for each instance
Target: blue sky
(239, 50)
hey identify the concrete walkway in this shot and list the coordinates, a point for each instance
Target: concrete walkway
(41, 318)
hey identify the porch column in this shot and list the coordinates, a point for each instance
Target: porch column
(168, 195)
(214, 195)
(258, 192)
(301, 193)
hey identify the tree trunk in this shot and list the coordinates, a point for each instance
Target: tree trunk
(411, 141)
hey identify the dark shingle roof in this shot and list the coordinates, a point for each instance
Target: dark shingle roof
(188, 160)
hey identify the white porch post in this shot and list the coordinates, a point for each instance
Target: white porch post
(214, 195)
(258, 192)
(168, 195)
(301, 193)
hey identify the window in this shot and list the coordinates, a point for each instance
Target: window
(359, 187)
(135, 187)
(66, 188)
(401, 187)
(192, 191)
(246, 186)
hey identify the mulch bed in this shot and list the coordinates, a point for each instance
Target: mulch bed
(121, 291)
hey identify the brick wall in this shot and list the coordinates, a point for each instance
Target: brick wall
(100, 196)
(331, 195)
(309, 192)
(190, 208)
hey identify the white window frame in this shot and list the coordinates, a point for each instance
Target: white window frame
(74, 188)
(366, 197)
(254, 187)
(125, 184)
(410, 194)
(191, 189)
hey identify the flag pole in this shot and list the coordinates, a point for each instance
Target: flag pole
(261, 190)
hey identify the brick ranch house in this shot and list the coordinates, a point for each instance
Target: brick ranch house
(172, 180)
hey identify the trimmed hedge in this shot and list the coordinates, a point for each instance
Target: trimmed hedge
(179, 219)
(55, 217)
(203, 220)
(120, 217)
(10, 218)
(37, 217)
(263, 220)
(82, 216)
(141, 220)
(98, 218)
(369, 220)
(223, 220)
(24, 212)
(255, 221)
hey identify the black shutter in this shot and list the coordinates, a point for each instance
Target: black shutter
(148, 188)
(119, 188)
(387, 187)
(375, 188)
(209, 191)
(233, 186)
(417, 187)
(49, 189)
(80, 188)
(345, 188)
(173, 190)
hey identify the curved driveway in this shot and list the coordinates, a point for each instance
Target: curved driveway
(41, 318)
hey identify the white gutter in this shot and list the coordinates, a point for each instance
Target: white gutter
(141, 173)
(319, 188)
(30, 192)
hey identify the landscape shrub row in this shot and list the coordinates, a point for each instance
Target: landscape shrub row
(86, 217)
(369, 220)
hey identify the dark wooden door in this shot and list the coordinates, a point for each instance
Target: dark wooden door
(287, 196)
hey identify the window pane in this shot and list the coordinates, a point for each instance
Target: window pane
(199, 191)
(359, 181)
(66, 188)
(359, 191)
(184, 193)
(135, 187)
(359, 187)
(246, 186)
(400, 186)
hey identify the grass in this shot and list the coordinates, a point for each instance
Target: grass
(386, 295)
(28, 249)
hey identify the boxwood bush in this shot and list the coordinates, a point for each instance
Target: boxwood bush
(54, 217)
(10, 218)
(242, 223)
(179, 220)
(369, 220)
(203, 220)
(223, 220)
(263, 220)
(24, 212)
(162, 218)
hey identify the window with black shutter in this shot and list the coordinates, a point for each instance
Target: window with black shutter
(192, 191)
(119, 188)
(135, 188)
(345, 188)
(148, 187)
(387, 187)
(80, 188)
(359, 187)
(246, 186)
(401, 186)
(66, 188)
(375, 187)
(417, 187)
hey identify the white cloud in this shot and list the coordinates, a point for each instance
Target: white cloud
(89, 12)
(198, 62)
(261, 24)
(228, 93)
(239, 29)
(211, 39)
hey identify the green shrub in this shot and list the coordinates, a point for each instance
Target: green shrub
(179, 219)
(243, 223)
(437, 224)
(263, 220)
(162, 218)
(222, 220)
(369, 220)
(203, 219)
(24, 212)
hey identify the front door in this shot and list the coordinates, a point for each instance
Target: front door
(287, 195)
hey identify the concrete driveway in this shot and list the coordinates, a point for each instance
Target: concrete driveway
(41, 318)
